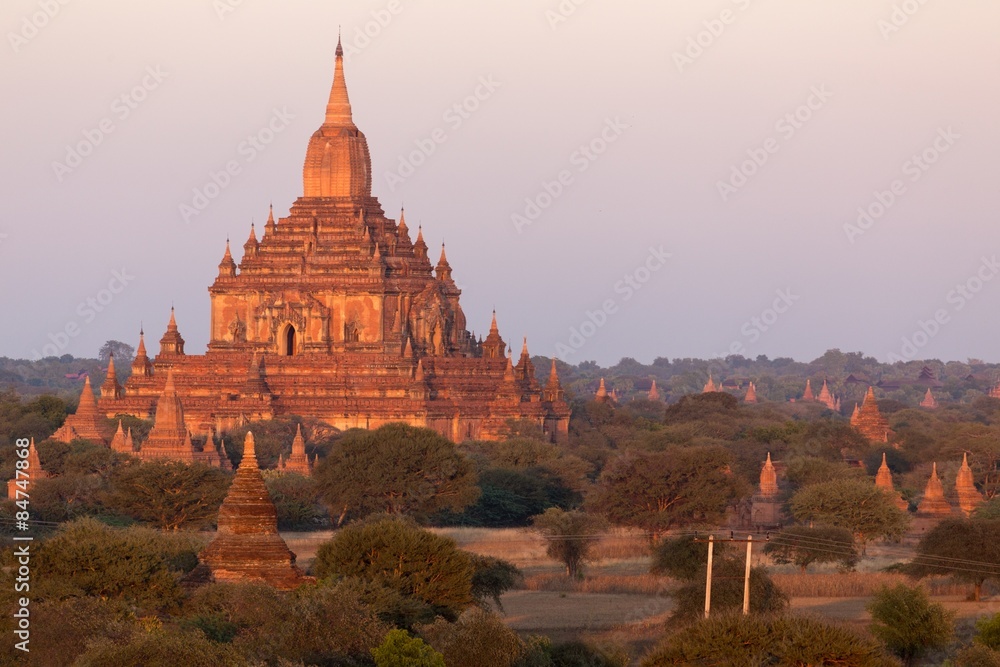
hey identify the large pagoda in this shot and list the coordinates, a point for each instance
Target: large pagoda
(334, 313)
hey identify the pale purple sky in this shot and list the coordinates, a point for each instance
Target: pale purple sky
(674, 126)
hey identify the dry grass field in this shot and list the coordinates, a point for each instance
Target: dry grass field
(619, 602)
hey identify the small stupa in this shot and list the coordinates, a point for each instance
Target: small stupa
(247, 546)
(969, 498)
(766, 508)
(31, 474)
(883, 480)
(929, 401)
(298, 461)
(934, 504)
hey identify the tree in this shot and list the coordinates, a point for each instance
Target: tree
(168, 494)
(313, 625)
(728, 575)
(296, 500)
(684, 558)
(732, 639)
(908, 623)
(988, 631)
(161, 648)
(123, 353)
(86, 557)
(804, 546)
(397, 469)
(949, 546)
(396, 553)
(857, 505)
(491, 578)
(477, 639)
(570, 536)
(673, 488)
(401, 650)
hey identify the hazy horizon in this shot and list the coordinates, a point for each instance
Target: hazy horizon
(895, 112)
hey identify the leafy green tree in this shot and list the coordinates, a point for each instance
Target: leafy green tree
(728, 575)
(86, 557)
(161, 648)
(314, 625)
(909, 624)
(988, 631)
(947, 547)
(167, 494)
(296, 499)
(804, 546)
(857, 505)
(685, 557)
(570, 536)
(733, 639)
(396, 553)
(491, 578)
(401, 650)
(669, 489)
(477, 639)
(397, 469)
(124, 353)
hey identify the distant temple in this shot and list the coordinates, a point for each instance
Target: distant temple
(298, 460)
(654, 393)
(601, 395)
(969, 498)
(826, 397)
(934, 504)
(766, 508)
(883, 480)
(333, 313)
(33, 473)
(751, 395)
(710, 386)
(247, 546)
(808, 395)
(85, 424)
(929, 401)
(868, 421)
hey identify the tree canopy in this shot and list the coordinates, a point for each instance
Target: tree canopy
(397, 469)
(857, 505)
(396, 553)
(679, 486)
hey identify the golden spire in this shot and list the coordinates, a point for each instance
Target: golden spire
(338, 109)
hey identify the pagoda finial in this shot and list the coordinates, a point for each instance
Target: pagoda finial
(493, 324)
(402, 221)
(554, 372)
(338, 109)
(524, 347)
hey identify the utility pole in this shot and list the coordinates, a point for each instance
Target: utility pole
(746, 576)
(746, 579)
(708, 578)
